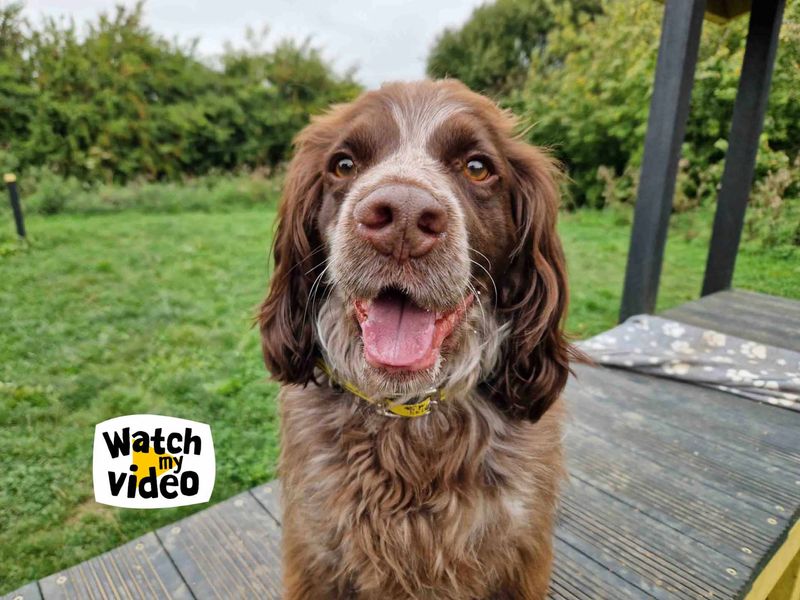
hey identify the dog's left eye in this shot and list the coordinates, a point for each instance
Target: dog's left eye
(344, 167)
(476, 169)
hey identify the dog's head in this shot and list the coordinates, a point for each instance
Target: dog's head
(416, 246)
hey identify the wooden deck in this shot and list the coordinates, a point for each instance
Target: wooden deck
(675, 491)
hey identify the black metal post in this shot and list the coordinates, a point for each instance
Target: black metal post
(748, 121)
(13, 196)
(669, 108)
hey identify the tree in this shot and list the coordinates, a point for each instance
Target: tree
(16, 90)
(491, 52)
(588, 96)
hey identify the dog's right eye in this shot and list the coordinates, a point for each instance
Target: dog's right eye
(344, 167)
(477, 169)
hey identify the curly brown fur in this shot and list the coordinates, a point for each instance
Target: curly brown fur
(458, 504)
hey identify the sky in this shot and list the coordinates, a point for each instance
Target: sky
(386, 40)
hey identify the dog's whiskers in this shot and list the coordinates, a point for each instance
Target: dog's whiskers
(289, 271)
(482, 255)
(485, 270)
(477, 295)
(483, 317)
(316, 266)
(311, 294)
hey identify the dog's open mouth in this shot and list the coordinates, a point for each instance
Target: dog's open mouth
(399, 335)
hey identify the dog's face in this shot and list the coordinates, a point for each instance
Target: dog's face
(416, 247)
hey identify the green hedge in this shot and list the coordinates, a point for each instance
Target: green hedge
(588, 94)
(117, 102)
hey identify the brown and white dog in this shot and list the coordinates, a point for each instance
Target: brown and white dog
(417, 248)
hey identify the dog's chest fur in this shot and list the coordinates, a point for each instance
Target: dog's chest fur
(455, 505)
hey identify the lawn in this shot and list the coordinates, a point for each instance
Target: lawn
(126, 313)
(596, 244)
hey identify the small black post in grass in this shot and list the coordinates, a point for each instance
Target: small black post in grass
(13, 196)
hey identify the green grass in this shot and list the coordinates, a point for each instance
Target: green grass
(596, 244)
(124, 313)
(112, 315)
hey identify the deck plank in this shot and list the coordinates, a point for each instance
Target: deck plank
(578, 577)
(765, 319)
(714, 464)
(755, 431)
(702, 514)
(269, 496)
(758, 428)
(646, 553)
(657, 499)
(139, 569)
(26, 592)
(230, 550)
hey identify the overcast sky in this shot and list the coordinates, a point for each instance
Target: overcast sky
(386, 39)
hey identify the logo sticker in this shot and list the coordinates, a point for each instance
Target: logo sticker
(152, 461)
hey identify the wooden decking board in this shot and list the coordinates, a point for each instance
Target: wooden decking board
(269, 496)
(683, 498)
(687, 476)
(577, 576)
(711, 414)
(702, 514)
(771, 446)
(769, 320)
(139, 569)
(652, 551)
(29, 591)
(596, 562)
(784, 308)
(704, 469)
(763, 303)
(727, 536)
(772, 333)
(779, 302)
(746, 306)
(673, 445)
(231, 550)
(787, 304)
(604, 560)
(646, 412)
(706, 411)
(693, 465)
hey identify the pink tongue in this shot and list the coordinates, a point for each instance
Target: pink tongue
(398, 333)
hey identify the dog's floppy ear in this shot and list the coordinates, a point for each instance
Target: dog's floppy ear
(533, 296)
(285, 319)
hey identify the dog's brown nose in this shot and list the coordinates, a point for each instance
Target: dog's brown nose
(401, 220)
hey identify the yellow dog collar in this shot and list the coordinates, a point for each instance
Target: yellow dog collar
(385, 405)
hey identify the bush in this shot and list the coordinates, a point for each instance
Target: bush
(491, 52)
(47, 193)
(773, 214)
(589, 91)
(8, 162)
(118, 102)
